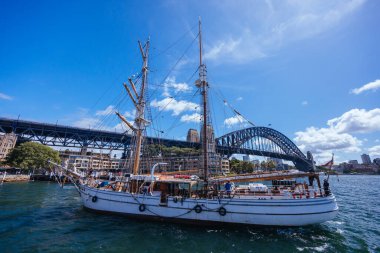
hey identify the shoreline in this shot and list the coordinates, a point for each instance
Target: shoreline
(14, 178)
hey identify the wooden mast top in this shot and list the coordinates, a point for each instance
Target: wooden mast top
(200, 42)
(139, 103)
(140, 108)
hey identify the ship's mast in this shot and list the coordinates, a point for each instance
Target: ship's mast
(140, 108)
(139, 102)
(203, 87)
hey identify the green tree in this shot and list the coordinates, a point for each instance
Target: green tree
(247, 167)
(271, 165)
(235, 166)
(238, 167)
(32, 155)
(263, 165)
(155, 149)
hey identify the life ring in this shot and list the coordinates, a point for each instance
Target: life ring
(198, 209)
(94, 199)
(142, 207)
(175, 199)
(222, 211)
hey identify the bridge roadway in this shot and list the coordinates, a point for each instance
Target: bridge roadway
(67, 136)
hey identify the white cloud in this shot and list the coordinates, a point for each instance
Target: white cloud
(377, 140)
(87, 122)
(177, 107)
(239, 50)
(171, 85)
(369, 86)
(305, 103)
(110, 109)
(5, 96)
(356, 121)
(324, 156)
(320, 140)
(239, 99)
(130, 115)
(229, 122)
(261, 29)
(374, 151)
(85, 119)
(170, 104)
(195, 117)
(338, 135)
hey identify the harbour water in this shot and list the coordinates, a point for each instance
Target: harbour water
(42, 217)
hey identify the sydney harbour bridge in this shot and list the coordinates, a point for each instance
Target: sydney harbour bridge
(260, 141)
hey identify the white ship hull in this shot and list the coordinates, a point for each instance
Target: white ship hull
(238, 210)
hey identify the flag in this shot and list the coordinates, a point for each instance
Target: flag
(329, 164)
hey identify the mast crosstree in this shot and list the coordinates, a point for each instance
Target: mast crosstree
(138, 100)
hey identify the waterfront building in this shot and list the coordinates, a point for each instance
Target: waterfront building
(353, 162)
(225, 165)
(104, 162)
(192, 135)
(337, 168)
(366, 159)
(376, 161)
(357, 168)
(84, 159)
(7, 143)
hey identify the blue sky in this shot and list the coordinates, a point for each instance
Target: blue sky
(308, 68)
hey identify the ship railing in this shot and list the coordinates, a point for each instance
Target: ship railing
(275, 192)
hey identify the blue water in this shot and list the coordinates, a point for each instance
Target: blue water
(42, 217)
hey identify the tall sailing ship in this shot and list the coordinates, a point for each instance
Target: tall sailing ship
(202, 198)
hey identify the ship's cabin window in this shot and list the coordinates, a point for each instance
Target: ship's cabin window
(173, 188)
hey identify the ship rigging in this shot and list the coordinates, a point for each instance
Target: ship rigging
(201, 198)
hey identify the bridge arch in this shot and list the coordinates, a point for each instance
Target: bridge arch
(263, 141)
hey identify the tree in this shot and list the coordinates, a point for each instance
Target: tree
(271, 165)
(235, 166)
(263, 165)
(32, 155)
(247, 167)
(239, 167)
(156, 149)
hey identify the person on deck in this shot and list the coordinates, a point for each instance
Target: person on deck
(228, 187)
(326, 187)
